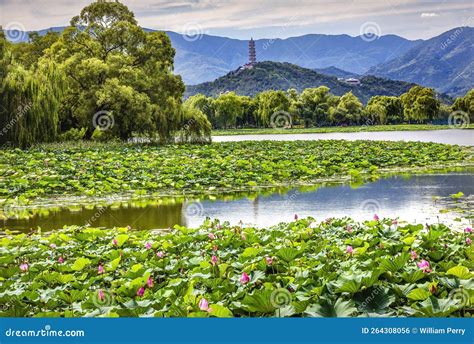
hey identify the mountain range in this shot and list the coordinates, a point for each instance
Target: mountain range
(444, 62)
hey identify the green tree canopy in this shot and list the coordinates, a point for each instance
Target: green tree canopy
(114, 67)
(420, 104)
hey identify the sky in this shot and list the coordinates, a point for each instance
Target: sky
(412, 19)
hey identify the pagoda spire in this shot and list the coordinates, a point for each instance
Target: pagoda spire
(252, 52)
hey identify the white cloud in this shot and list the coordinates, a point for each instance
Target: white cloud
(429, 15)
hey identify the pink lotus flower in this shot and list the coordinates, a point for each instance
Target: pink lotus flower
(349, 228)
(468, 241)
(24, 267)
(296, 217)
(140, 292)
(115, 242)
(101, 295)
(100, 269)
(149, 282)
(212, 236)
(214, 260)
(203, 305)
(147, 245)
(244, 279)
(160, 254)
(269, 260)
(413, 255)
(60, 260)
(349, 249)
(215, 248)
(424, 265)
(468, 230)
(376, 217)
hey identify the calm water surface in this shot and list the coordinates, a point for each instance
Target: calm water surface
(450, 136)
(410, 198)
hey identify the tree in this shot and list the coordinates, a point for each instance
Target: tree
(466, 105)
(228, 107)
(420, 104)
(348, 110)
(29, 101)
(313, 105)
(203, 104)
(28, 53)
(384, 109)
(272, 109)
(113, 67)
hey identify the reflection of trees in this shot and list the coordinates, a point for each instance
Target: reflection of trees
(138, 217)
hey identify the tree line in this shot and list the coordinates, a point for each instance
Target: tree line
(103, 78)
(319, 107)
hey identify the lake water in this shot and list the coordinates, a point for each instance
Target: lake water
(450, 136)
(410, 198)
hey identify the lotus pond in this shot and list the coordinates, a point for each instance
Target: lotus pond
(441, 197)
(304, 268)
(91, 170)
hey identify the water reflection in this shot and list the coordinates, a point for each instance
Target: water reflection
(410, 198)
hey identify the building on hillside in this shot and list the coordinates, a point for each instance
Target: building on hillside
(252, 56)
(352, 81)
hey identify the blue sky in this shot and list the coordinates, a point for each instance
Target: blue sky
(262, 18)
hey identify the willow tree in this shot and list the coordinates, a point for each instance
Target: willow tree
(420, 104)
(29, 99)
(114, 67)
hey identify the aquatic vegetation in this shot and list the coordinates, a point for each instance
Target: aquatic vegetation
(91, 170)
(304, 268)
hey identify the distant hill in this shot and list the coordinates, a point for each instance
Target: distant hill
(445, 62)
(282, 76)
(337, 72)
(204, 57)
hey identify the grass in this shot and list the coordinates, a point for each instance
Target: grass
(349, 129)
(336, 267)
